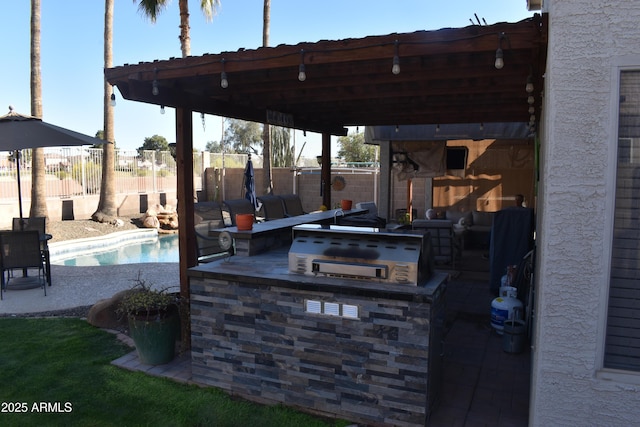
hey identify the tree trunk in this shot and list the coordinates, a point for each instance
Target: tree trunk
(266, 134)
(185, 38)
(38, 189)
(266, 23)
(107, 211)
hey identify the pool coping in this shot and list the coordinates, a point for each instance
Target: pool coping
(68, 248)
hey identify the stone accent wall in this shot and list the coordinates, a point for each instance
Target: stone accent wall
(257, 341)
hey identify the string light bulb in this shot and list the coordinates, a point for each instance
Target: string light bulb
(499, 59)
(529, 86)
(224, 82)
(499, 54)
(302, 73)
(112, 101)
(395, 69)
(162, 109)
(154, 85)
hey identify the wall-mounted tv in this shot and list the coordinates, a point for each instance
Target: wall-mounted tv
(457, 157)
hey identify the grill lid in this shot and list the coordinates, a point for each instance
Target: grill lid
(362, 253)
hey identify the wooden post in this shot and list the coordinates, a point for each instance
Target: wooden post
(325, 174)
(410, 200)
(186, 225)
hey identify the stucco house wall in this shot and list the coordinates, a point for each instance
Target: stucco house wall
(587, 39)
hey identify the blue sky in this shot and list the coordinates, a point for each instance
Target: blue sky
(72, 49)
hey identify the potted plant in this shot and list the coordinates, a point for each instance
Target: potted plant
(154, 322)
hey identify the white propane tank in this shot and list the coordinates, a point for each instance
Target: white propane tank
(504, 308)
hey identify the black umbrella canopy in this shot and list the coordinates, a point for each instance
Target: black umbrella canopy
(18, 132)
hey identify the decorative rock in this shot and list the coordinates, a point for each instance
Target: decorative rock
(151, 222)
(103, 313)
(160, 217)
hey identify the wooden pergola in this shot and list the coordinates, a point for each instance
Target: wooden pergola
(444, 76)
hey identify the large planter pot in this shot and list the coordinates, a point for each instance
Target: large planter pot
(155, 336)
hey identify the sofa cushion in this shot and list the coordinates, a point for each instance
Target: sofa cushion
(482, 218)
(456, 216)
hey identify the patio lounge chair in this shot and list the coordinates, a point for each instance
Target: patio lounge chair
(292, 204)
(21, 250)
(207, 245)
(238, 206)
(208, 218)
(209, 213)
(272, 207)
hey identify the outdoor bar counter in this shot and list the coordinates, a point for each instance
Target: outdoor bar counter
(269, 234)
(361, 350)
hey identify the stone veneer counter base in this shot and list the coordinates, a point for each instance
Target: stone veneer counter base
(367, 352)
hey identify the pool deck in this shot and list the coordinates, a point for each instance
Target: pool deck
(83, 286)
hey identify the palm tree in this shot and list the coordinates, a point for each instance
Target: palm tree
(266, 134)
(38, 189)
(152, 8)
(107, 210)
(281, 147)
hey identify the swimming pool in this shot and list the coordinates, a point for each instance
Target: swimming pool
(127, 247)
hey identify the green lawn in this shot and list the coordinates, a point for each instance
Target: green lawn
(58, 372)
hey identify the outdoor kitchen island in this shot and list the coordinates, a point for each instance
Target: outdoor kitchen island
(346, 323)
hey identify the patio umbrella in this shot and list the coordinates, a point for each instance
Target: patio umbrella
(18, 132)
(249, 184)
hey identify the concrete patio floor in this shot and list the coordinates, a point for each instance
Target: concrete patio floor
(83, 286)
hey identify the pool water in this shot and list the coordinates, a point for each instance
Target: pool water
(164, 248)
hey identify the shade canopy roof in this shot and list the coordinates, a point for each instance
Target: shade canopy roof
(446, 76)
(19, 131)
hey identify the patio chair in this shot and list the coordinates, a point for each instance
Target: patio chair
(443, 243)
(238, 206)
(38, 223)
(208, 218)
(207, 245)
(292, 204)
(21, 250)
(272, 207)
(209, 213)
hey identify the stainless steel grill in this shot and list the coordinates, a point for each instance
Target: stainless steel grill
(361, 253)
